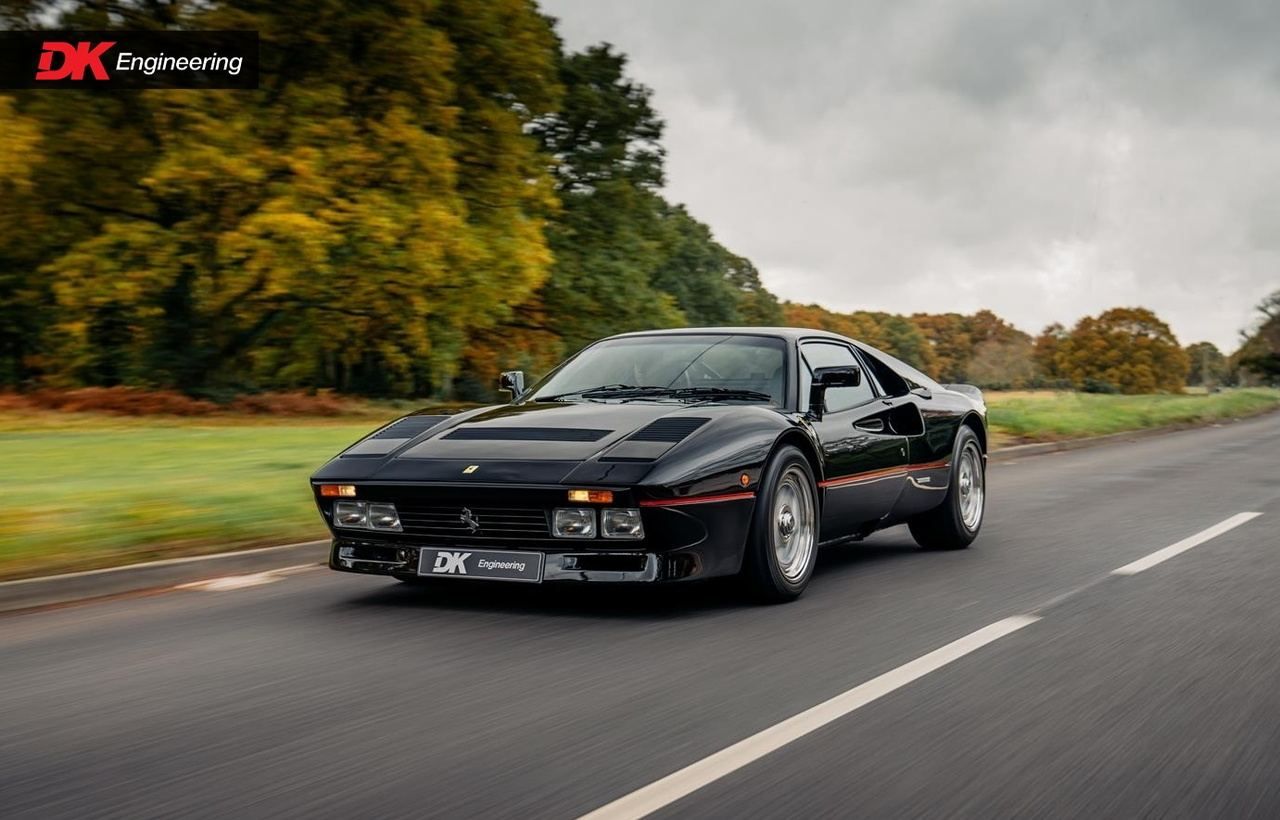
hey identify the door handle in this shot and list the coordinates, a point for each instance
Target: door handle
(870, 425)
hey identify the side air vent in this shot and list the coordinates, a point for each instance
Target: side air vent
(670, 429)
(526, 434)
(409, 426)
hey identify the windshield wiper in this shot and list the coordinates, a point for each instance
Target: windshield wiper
(605, 390)
(721, 393)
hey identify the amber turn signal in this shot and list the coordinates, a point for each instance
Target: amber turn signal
(338, 490)
(591, 496)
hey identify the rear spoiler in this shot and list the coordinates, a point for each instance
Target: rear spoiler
(968, 389)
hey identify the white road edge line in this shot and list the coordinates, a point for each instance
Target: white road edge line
(1159, 556)
(663, 792)
(226, 583)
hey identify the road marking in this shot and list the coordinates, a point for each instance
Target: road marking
(1185, 544)
(256, 579)
(660, 793)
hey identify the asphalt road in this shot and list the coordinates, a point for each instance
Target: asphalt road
(323, 695)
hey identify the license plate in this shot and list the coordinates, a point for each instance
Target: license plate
(487, 565)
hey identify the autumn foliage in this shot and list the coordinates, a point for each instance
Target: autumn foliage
(137, 401)
(1128, 350)
(418, 191)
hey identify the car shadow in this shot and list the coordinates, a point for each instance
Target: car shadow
(623, 601)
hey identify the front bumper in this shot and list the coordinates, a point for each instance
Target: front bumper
(400, 560)
(684, 539)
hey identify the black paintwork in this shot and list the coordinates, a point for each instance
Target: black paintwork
(877, 464)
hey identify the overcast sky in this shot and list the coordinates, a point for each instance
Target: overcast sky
(1046, 160)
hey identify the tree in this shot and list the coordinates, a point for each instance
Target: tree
(1259, 356)
(895, 335)
(1045, 355)
(948, 335)
(954, 340)
(608, 238)
(1128, 349)
(24, 298)
(1003, 365)
(625, 258)
(349, 224)
(1208, 365)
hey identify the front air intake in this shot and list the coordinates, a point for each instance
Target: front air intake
(526, 434)
(408, 427)
(670, 429)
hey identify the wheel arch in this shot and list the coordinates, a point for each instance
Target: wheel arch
(974, 422)
(806, 446)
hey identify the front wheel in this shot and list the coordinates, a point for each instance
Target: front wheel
(783, 544)
(954, 523)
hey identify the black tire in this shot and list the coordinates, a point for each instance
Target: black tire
(945, 526)
(787, 487)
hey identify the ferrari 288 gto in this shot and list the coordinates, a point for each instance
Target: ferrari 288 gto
(666, 456)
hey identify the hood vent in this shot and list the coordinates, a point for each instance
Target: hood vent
(670, 429)
(408, 427)
(526, 434)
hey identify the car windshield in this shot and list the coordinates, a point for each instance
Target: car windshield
(696, 366)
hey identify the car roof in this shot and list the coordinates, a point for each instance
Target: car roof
(791, 333)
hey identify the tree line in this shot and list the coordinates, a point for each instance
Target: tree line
(420, 193)
(1121, 350)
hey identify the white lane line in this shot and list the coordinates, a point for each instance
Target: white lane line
(1149, 561)
(660, 793)
(229, 582)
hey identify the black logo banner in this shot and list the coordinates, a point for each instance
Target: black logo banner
(128, 59)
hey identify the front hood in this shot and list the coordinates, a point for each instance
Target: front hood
(541, 432)
(526, 443)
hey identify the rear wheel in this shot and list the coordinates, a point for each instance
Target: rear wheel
(783, 543)
(954, 523)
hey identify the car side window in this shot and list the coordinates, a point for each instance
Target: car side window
(895, 376)
(829, 354)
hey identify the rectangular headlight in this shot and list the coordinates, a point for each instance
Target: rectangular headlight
(574, 522)
(384, 517)
(354, 514)
(621, 522)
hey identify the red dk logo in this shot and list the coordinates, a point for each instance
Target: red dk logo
(75, 59)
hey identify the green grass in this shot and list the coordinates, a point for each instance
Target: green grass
(91, 495)
(1046, 416)
(88, 491)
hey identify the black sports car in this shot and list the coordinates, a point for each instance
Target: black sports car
(667, 456)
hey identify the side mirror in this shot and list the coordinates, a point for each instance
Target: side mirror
(513, 382)
(922, 392)
(843, 376)
(828, 377)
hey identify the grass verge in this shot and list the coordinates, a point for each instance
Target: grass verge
(89, 491)
(1022, 417)
(91, 496)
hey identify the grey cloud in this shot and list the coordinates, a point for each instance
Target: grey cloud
(1046, 160)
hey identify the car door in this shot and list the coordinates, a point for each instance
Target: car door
(864, 459)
